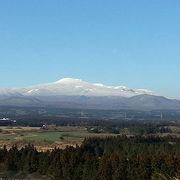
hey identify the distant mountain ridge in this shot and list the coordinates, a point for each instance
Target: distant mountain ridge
(76, 87)
(75, 93)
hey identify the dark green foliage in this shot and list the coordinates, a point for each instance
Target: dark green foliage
(140, 130)
(111, 158)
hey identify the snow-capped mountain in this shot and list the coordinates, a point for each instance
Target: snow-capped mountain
(77, 87)
(75, 93)
(8, 93)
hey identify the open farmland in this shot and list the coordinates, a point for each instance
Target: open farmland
(44, 139)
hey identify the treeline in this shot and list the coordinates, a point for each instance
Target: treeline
(110, 158)
(36, 121)
(97, 126)
(144, 129)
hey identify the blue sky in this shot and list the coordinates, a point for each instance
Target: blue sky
(135, 43)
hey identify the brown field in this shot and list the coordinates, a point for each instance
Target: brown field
(44, 139)
(52, 136)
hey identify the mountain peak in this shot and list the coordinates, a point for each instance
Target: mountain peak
(70, 92)
(68, 81)
(78, 87)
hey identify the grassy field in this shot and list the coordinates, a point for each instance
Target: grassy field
(45, 139)
(52, 136)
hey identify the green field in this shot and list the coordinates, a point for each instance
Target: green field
(58, 136)
(50, 136)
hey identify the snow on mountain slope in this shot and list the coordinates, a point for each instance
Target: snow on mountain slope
(75, 93)
(8, 93)
(77, 87)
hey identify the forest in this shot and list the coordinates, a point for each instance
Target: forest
(109, 158)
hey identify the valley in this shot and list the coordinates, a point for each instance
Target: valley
(49, 135)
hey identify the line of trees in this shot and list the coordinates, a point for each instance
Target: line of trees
(110, 158)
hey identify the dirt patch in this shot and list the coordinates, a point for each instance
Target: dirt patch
(39, 145)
